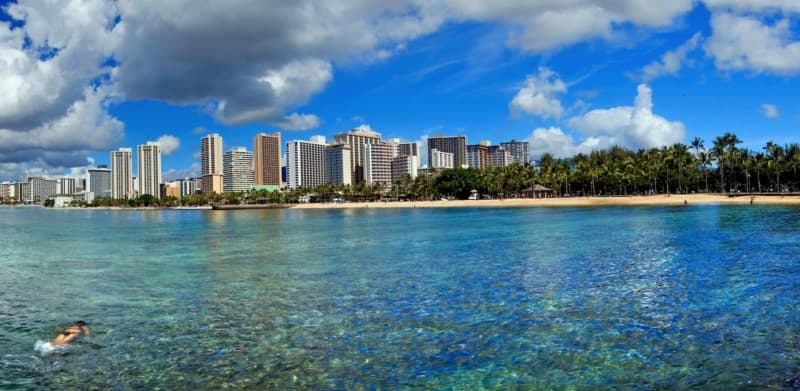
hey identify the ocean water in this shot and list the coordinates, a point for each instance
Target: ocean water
(702, 297)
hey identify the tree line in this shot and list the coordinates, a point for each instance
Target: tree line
(698, 167)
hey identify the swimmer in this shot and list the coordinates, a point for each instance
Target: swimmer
(70, 333)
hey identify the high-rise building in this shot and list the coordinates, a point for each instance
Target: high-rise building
(211, 163)
(402, 165)
(40, 189)
(337, 164)
(305, 163)
(378, 163)
(66, 185)
(441, 160)
(518, 151)
(478, 156)
(499, 156)
(409, 149)
(267, 154)
(22, 191)
(100, 181)
(238, 170)
(122, 173)
(6, 191)
(149, 162)
(457, 145)
(357, 139)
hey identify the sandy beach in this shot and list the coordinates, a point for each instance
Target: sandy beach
(653, 200)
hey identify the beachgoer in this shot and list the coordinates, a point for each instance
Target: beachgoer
(70, 333)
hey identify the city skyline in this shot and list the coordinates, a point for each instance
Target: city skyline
(601, 75)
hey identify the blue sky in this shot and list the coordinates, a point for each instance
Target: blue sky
(82, 78)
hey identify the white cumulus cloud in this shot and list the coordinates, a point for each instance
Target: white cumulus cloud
(169, 144)
(770, 111)
(627, 126)
(554, 141)
(540, 95)
(746, 42)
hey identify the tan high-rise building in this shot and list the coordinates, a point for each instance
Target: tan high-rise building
(378, 163)
(148, 158)
(478, 156)
(122, 173)
(357, 139)
(267, 155)
(211, 163)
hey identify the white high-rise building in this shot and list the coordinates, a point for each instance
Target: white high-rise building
(149, 163)
(238, 170)
(40, 189)
(211, 163)
(499, 156)
(305, 164)
(190, 186)
(66, 185)
(357, 139)
(338, 169)
(518, 151)
(122, 173)
(402, 165)
(441, 160)
(100, 181)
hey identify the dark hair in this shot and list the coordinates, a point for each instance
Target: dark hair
(80, 323)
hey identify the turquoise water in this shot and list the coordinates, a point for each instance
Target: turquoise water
(666, 297)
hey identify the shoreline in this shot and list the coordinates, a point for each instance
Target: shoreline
(652, 200)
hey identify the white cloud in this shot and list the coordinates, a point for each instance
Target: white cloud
(554, 141)
(770, 111)
(192, 171)
(296, 121)
(755, 5)
(169, 144)
(630, 126)
(365, 127)
(542, 26)
(85, 127)
(745, 42)
(672, 61)
(539, 95)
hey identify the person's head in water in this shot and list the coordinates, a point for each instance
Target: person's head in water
(70, 333)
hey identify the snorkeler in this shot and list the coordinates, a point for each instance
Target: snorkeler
(70, 333)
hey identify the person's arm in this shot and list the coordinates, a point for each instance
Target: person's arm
(85, 330)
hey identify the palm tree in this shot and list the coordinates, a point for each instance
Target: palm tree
(731, 141)
(718, 153)
(775, 155)
(704, 159)
(697, 144)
